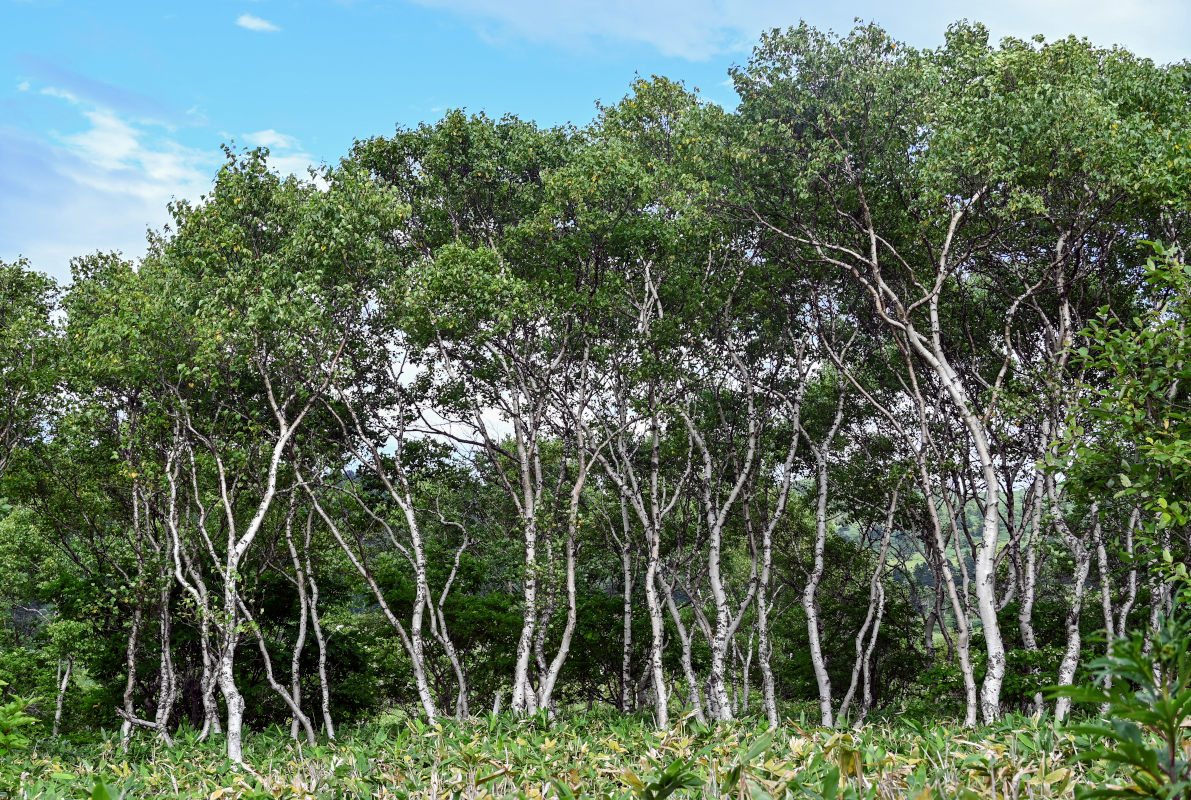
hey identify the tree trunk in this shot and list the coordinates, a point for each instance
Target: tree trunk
(167, 695)
(876, 604)
(626, 654)
(63, 680)
(295, 663)
(546, 692)
(523, 694)
(417, 664)
(1067, 667)
(233, 700)
(1025, 614)
(1083, 560)
(685, 638)
(866, 702)
(438, 626)
(316, 624)
(291, 701)
(130, 652)
(657, 628)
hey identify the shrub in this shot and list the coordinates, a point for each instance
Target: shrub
(1149, 709)
(13, 718)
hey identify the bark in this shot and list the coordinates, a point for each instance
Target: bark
(651, 504)
(726, 619)
(919, 443)
(764, 663)
(316, 624)
(961, 645)
(792, 406)
(1131, 583)
(810, 602)
(392, 474)
(523, 700)
(167, 695)
(438, 627)
(290, 700)
(289, 413)
(190, 578)
(128, 712)
(657, 629)
(1106, 607)
(685, 640)
(233, 701)
(866, 703)
(626, 654)
(545, 619)
(900, 317)
(303, 614)
(645, 491)
(1083, 561)
(63, 681)
(876, 605)
(548, 681)
(417, 663)
(1025, 614)
(746, 665)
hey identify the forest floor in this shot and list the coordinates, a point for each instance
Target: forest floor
(584, 756)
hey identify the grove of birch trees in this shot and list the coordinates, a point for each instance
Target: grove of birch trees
(867, 396)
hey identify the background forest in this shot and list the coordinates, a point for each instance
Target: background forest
(865, 401)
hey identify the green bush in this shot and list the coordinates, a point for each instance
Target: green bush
(13, 718)
(1149, 709)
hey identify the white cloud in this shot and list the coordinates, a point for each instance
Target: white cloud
(286, 154)
(1158, 29)
(272, 139)
(99, 188)
(23, 86)
(110, 142)
(120, 157)
(297, 164)
(701, 29)
(102, 183)
(692, 29)
(61, 94)
(255, 23)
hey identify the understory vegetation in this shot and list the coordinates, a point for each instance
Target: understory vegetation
(583, 755)
(834, 445)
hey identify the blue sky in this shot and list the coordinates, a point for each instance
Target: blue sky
(107, 110)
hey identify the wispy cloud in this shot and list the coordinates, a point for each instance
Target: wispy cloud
(23, 86)
(272, 139)
(255, 23)
(691, 29)
(698, 30)
(43, 71)
(286, 154)
(102, 186)
(61, 94)
(97, 188)
(1153, 28)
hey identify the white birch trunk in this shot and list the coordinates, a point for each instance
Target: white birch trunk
(685, 639)
(626, 654)
(63, 681)
(810, 601)
(872, 619)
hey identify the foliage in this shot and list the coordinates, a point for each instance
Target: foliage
(864, 376)
(583, 755)
(13, 718)
(1144, 369)
(1148, 709)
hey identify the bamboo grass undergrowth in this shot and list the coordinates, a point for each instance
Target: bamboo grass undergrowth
(590, 755)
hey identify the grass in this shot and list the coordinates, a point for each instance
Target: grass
(587, 756)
